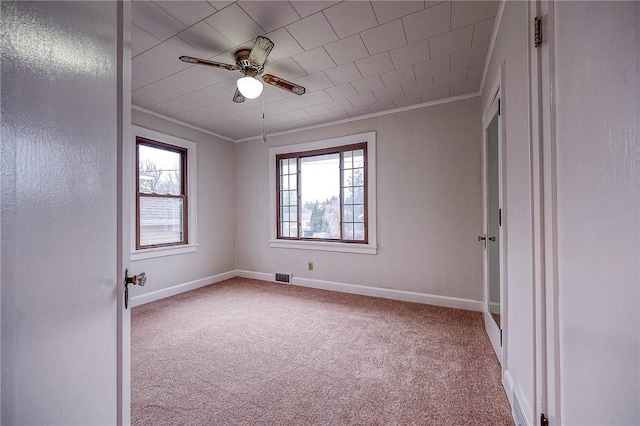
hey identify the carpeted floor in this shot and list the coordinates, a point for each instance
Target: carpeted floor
(246, 352)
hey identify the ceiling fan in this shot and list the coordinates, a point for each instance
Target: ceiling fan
(250, 62)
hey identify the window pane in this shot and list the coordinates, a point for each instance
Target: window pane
(284, 229)
(358, 213)
(292, 166)
(347, 231)
(161, 220)
(293, 229)
(320, 192)
(159, 170)
(358, 158)
(358, 231)
(284, 214)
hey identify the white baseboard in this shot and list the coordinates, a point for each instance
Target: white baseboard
(386, 293)
(180, 288)
(519, 408)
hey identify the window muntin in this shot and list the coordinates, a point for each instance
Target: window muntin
(161, 194)
(322, 194)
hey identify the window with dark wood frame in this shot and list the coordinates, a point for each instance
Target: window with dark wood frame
(161, 194)
(340, 216)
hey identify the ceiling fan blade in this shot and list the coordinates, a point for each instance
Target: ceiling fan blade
(238, 97)
(283, 84)
(198, 61)
(260, 51)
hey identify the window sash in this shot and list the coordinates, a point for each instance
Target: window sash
(184, 240)
(297, 157)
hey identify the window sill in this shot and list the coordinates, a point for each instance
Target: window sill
(162, 251)
(325, 246)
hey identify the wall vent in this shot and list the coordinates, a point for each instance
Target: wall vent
(283, 278)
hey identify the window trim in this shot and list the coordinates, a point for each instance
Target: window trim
(356, 246)
(300, 155)
(190, 191)
(184, 193)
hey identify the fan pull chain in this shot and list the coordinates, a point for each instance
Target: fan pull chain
(264, 134)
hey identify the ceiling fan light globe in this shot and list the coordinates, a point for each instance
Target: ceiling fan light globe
(250, 87)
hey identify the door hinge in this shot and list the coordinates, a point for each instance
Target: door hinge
(543, 420)
(501, 337)
(499, 106)
(499, 217)
(537, 31)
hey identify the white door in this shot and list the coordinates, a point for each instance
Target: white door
(59, 230)
(492, 233)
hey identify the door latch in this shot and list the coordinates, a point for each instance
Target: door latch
(482, 237)
(139, 279)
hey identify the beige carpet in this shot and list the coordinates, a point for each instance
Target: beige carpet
(246, 352)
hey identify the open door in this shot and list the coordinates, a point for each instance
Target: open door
(492, 237)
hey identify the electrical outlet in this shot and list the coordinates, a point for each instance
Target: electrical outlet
(310, 266)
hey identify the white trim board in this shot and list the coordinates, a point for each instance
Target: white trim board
(385, 293)
(142, 299)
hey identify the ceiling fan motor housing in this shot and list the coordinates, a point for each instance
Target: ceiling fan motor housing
(245, 65)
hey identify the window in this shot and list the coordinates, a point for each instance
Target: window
(163, 195)
(323, 195)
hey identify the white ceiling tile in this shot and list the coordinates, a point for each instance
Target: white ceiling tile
(285, 45)
(219, 4)
(451, 79)
(144, 97)
(381, 106)
(363, 100)
(312, 31)
(340, 105)
(435, 95)
(347, 50)
(235, 25)
(469, 58)
(273, 94)
(190, 101)
(317, 97)
(270, 14)
(318, 110)
(407, 101)
(465, 89)
(207, 40)
(418, 86)
(315, 81)
(306, 8)
(431, 68)
(155, 20)
(175, 47)
(469, 12)
(286, 68)
(298, 114)
(340, 92)
(274, 109)
(374, 65)
(338, 115)
(451, 42)
(187, 12)
(398, 77)
(141, 40)
(167, 110)
(428, 22)
(357, 112)
(482, 32)
(391, 93)
(351, 17)
(385, 37)
(159, 63)
(216, 93)
(389, 10)
(314, 60)
(475, 73)
(344, 73)
(368, 84)
(410, 54)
